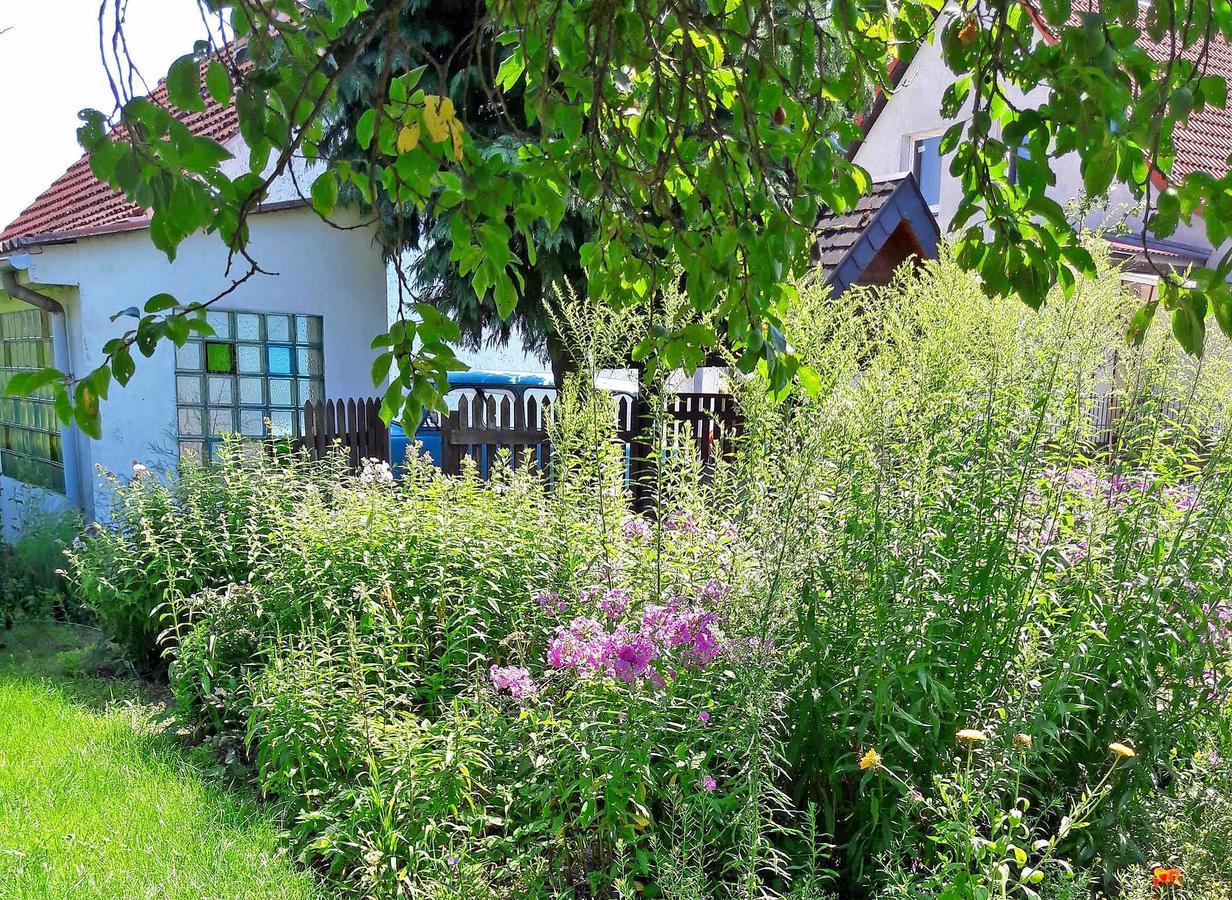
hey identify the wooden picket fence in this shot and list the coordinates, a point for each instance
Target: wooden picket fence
(484, 424)
(355, 425)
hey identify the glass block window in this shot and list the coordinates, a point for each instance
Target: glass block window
(252, 377)
(30, 449)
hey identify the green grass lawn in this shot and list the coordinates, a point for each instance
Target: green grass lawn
(97, 801)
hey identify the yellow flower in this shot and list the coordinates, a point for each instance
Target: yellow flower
(972, 736)
(1022, 741)
(870, 760)
(1122, 749)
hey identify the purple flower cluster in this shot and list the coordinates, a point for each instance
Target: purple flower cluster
(683, 522)
(715, 591)
(1219, 623)
(514, 679)
(550, 603)
(614, 602)
(636, 528)
(684, 633)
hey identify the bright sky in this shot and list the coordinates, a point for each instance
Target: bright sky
(50, 69)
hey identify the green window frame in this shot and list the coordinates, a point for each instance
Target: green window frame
(251, 377)
(30, 446)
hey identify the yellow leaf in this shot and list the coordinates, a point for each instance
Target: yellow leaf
(408, 137)
(437, 114)
(456, 130)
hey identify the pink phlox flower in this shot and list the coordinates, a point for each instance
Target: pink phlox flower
(636, 528)
(514, 679)
(683, 522)
(630, 655)
(614, 602)
(715, 591)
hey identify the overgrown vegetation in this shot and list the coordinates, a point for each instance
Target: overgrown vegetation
(30, 583)
(928, 634)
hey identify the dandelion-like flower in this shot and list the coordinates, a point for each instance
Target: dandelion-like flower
(870, 760)
(1122, 749)
(972, 736)
(1021, 741)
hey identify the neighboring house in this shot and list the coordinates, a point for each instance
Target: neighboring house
(902, 133)
(80, 254)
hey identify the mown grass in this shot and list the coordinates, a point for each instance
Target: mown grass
(97, 800)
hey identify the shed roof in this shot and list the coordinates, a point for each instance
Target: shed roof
(848, 242)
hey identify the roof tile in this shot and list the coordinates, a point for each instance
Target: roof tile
(78, 202)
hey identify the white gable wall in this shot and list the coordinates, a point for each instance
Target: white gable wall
(914, 112)
(318, 270)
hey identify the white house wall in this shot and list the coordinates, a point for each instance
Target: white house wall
(914, 112)
(318, 270)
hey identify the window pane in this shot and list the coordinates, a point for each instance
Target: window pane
(308, 361)
(219, 357)
(927, 168)
(311, 390)
(247, 327)
(188, 389)
(280, 393)
(252, 422)
(188, 357)
(190, 420)
(30, 449)
(278, 359)
(222, 421)
(221, 323)
(308, 329)
(248, 358)
(258, 368)
(221, 391)
(278, 328)
(252, 391)
(280, 422)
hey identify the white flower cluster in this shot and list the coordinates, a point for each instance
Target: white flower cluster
(375, 471)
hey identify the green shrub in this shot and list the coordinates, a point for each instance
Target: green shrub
(522, 688)
(30, 569)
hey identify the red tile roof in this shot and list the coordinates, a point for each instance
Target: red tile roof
(1203, 143)
(77, 203)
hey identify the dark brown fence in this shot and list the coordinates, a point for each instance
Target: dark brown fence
(483, 424)
(711, 421)
(355, 424)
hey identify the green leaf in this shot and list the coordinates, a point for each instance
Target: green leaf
(380, 368)
(325, 193)
(23, 384)
(364, 128)
(160, 302)
(218, 83)
(1188, 326)
(184, 84)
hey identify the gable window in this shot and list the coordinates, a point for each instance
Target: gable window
(255, 368)
(926, 167)
(30, 449)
